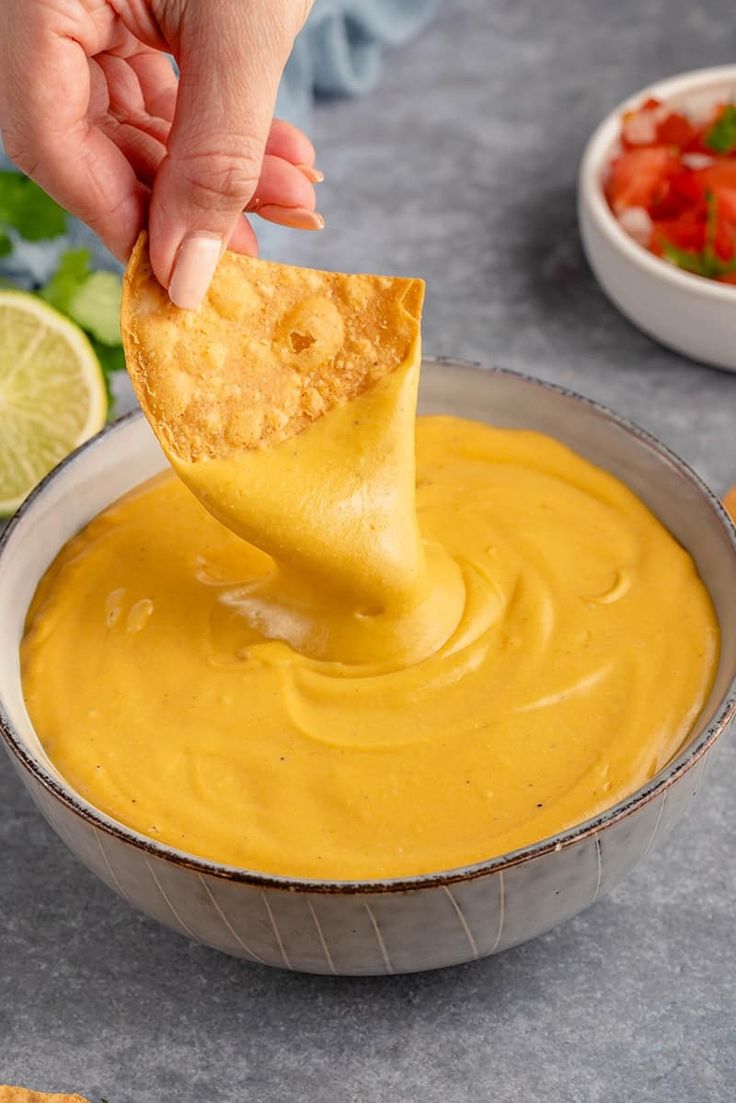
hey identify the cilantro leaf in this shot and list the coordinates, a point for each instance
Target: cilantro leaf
(27, 209)
(703, 263)
(91, 299)
(697, 263)
(71, 274)
(112, 359)
(6, 245)
(95, 306)
(722, 135)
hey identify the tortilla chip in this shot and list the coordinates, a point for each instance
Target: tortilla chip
(10, 1094)
(272, 349)
(729, 501)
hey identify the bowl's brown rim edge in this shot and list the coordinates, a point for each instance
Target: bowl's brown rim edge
(722, 717)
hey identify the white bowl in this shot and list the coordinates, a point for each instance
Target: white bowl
(691, 314)
(405, 924)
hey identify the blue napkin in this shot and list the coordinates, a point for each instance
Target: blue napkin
(339, 53)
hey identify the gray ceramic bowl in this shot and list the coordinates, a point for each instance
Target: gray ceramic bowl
(393, 926)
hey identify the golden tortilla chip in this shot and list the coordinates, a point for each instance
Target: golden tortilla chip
(271, 349)
(729, 501)
(10, 1094)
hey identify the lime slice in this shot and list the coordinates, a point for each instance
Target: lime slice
(52, 393)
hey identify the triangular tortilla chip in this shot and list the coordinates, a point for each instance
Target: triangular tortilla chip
(238, 392)
(272, 348)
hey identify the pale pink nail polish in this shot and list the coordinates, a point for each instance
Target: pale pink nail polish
(299, 218)
(315, 176)
(194, 268)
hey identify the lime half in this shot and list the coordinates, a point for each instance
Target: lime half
(52, 393)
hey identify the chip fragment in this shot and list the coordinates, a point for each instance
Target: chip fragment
(10, 1093)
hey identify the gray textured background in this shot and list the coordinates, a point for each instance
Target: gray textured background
(461, 169)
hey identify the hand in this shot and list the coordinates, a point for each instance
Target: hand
(91, 109)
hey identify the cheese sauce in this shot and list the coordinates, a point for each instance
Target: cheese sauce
(554, 655)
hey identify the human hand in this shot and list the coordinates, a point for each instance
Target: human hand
(91, 109)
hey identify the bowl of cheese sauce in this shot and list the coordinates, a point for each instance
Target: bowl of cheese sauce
(389, 786)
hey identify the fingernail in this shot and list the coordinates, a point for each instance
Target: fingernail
(194, 268)
(299, 218)
(315, 176)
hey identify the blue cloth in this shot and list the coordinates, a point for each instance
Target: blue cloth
(339, 53)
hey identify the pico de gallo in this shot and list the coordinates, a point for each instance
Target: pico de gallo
(673, 186)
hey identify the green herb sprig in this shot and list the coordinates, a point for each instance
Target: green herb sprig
(27, 209)
(721, 137)
(90, 297)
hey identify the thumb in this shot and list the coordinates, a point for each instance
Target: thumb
(231, 58)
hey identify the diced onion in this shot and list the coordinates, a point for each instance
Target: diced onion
(640, 127)
(637, 224)
(696, 161)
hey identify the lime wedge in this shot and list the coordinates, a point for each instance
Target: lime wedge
(52, 393)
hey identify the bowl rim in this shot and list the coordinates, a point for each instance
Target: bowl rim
(590, 190)
(723, 714)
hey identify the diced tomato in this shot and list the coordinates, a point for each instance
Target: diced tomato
(641, 178)
(690, 231)
(724, 239)
(679, 196)
(718, 182)
(687, 232)
(724, 242)
(691, 200)
(697, 143)
(652, 124)
(721, 174)
(675, 130)
(726, 203)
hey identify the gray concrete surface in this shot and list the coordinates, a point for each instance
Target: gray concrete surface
(460, 169)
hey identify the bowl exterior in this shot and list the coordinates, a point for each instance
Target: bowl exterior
(374, 932)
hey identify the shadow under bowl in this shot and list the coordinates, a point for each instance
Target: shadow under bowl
(414, 923)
